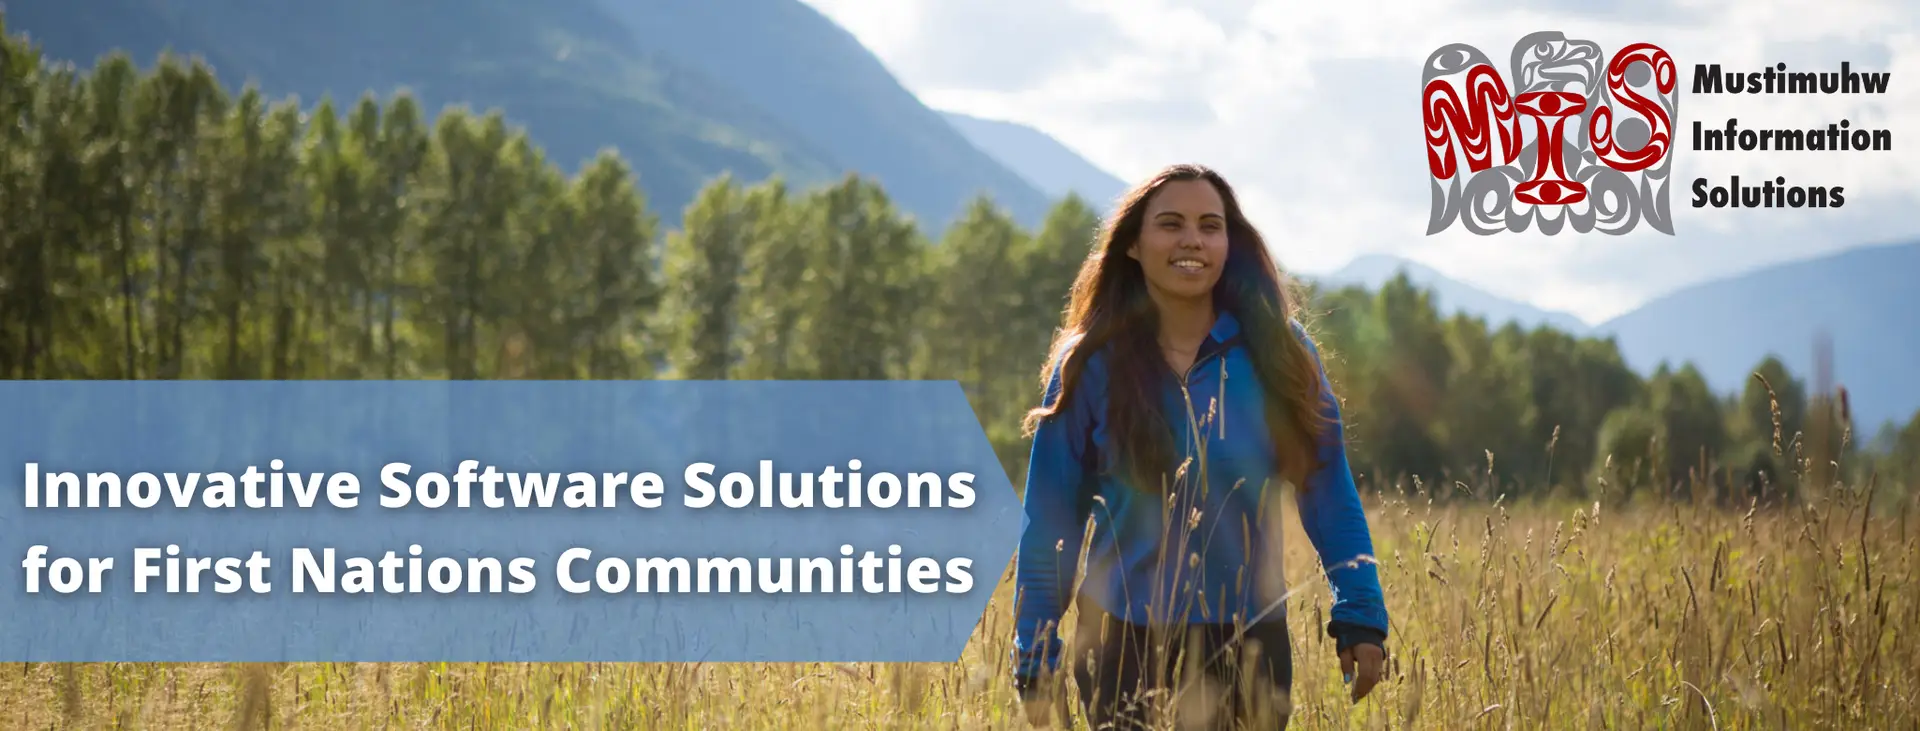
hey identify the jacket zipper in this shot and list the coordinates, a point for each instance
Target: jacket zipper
(1185, 378)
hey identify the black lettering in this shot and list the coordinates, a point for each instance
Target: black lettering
(1706, 79)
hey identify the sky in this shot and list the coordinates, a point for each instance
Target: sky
(1312, 112)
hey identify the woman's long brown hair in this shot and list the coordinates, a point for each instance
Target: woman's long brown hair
(1109, 308)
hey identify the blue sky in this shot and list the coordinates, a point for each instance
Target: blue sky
(1313, 112)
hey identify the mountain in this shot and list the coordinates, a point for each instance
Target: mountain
(1052, 167)
(819, 80)
(684, 91)
(1373, 270)
(1864, 299)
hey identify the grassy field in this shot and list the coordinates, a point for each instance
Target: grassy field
(1659, 615)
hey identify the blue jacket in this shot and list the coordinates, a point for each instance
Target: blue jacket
(1143, 571)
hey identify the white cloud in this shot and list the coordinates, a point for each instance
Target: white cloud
(1310, 109)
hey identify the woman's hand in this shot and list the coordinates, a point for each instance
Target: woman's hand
(1361, 665)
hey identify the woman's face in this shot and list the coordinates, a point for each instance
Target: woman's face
(1183, 240)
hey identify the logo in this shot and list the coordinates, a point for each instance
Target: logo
(1577, 140)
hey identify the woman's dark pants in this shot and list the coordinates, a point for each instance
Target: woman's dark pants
(1129, 674)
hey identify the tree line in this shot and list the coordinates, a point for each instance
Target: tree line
(154, 225)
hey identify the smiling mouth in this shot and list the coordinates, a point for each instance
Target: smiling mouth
(1189, 265)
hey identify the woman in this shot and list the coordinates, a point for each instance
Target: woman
(1180, 393)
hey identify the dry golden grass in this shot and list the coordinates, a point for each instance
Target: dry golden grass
(1663, 615)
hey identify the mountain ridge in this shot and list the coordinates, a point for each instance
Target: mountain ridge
(579, 76)
(814, 75)
(1860, 299)
(560, 71)
(1452, 295)
(1046, 162)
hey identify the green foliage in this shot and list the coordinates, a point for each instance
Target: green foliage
(1634, 439)
(154, 226)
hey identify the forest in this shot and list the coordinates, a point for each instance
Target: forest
(155, 224)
